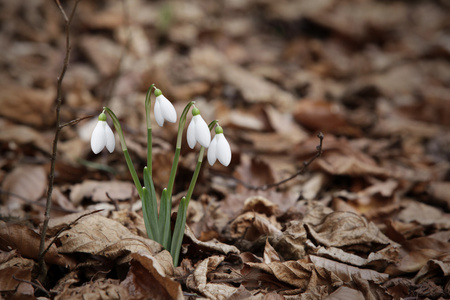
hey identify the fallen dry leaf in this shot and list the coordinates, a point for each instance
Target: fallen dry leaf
(28, 182)
(251, 226)
(344, 229)
(118, 190)
(97, 235)
(35, 104)
(147, 278)
(346, 272)
(12, 265)
(270, 254)
(345, 292)
(198, 280)
(98, 289)
(26, 241)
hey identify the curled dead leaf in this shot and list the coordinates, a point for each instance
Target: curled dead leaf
(212, 246)
(346, 272)
(26, 241)
(291, 243)
(252, 225)
(198, 281)
(148, 278)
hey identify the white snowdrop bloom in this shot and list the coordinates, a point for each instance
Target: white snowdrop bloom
(219, 149)
(198, 130)
(164, 110)
(102, 136)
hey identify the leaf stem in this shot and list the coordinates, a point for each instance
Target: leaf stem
(130, 165)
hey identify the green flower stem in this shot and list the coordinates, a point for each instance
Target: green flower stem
(178, 232)
(130, 165)
(148, 108)
(195, 175)
(176, 158)
(180, 225)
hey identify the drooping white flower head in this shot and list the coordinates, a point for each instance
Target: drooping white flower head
(164, 110)
(198, 130)
(102, 136)
(219, 149)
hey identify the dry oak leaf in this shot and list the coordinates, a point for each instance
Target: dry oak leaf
(270, 254)
(93, 290)
(119, 190)
(346, 272)
(26, 181)
(261, 205)
(12, 265)
(296, 273)
(415, 253)
(212, 246)
(26, 242)
(340, 229)
(345, 292)
(252, 225)
(291, 243)
(148, 277)
(198, 280)
(98, 235)
(22, 135)
(376, 260)
(19, 101)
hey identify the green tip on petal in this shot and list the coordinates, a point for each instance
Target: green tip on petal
(102, 117)
(219, 129)
(158, 92)
(195, 111)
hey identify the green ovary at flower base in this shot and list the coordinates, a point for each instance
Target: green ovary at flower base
(157, 222)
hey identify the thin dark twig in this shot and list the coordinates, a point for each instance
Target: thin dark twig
(41, 264)
(68, 226)
(305, 165)
(38, 286)
(114, 201)
(74, 122)
(62, 10)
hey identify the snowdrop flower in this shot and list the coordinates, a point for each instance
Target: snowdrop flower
(219, 149)
(102, 136)
(164, 110)
(198, 130)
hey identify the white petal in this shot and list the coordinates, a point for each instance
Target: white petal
(190, 135)
(110, 140)
(158, 114)
(212, 151)
(98, 138)
(202, 132)
(223, 151)
(168, 111)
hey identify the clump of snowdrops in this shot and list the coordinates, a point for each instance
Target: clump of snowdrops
(157, 219)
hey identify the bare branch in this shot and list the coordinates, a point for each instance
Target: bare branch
(37, 285)
(74, 122)
(42, 268)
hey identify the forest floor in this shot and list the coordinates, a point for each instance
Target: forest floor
(368, 219)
